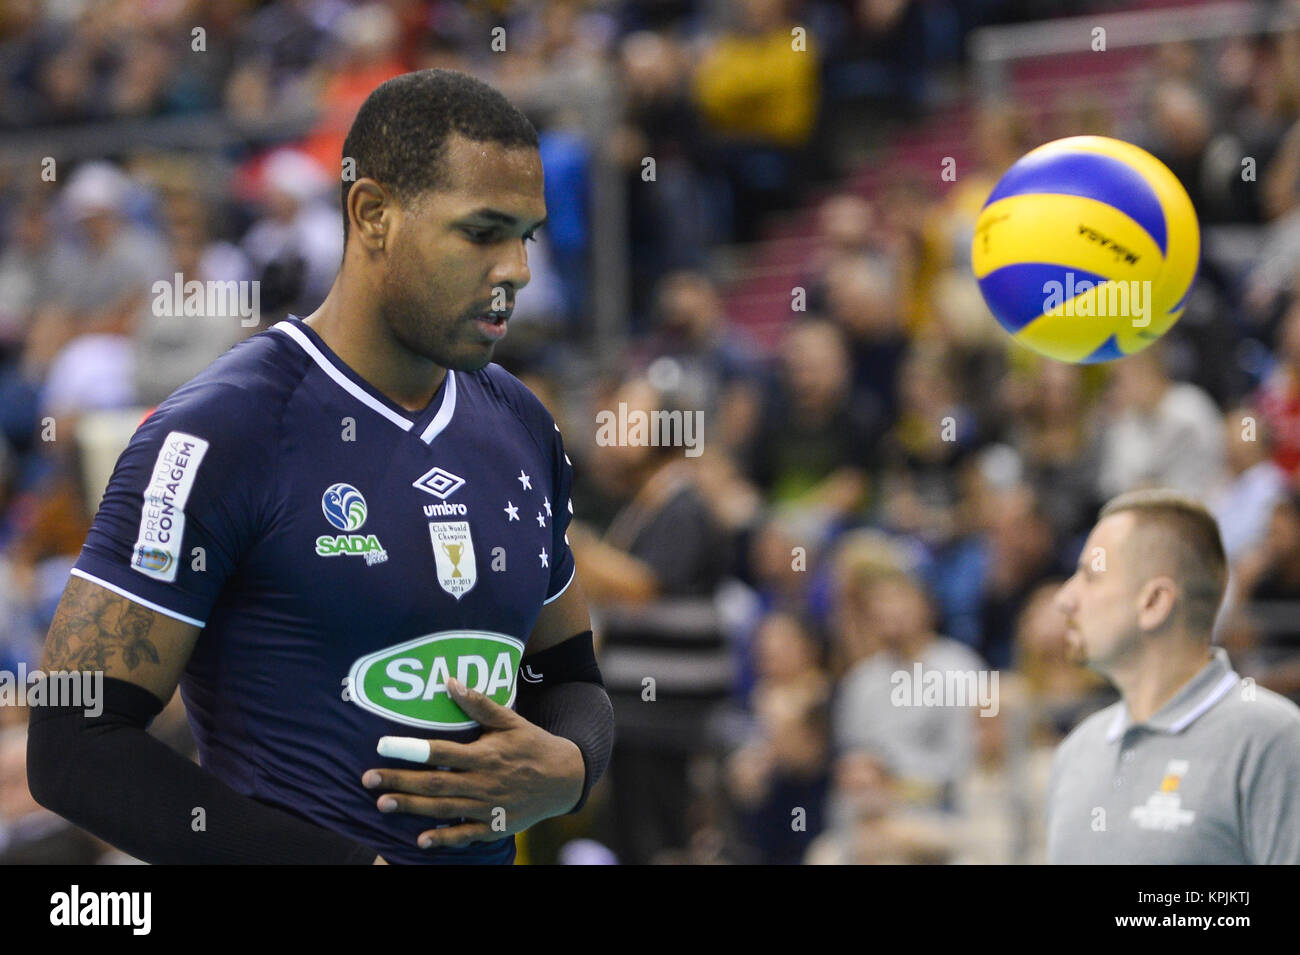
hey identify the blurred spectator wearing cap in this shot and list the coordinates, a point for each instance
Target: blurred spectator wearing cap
(80, 344)
(930, 748)
(172, 349)
(296, 246)
(112, 265)
(1157, 432)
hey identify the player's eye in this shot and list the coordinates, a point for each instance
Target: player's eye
(479, 235)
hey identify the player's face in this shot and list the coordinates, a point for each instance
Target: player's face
(1100, 600)
(458, 255)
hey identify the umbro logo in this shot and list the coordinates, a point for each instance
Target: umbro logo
(441, 484)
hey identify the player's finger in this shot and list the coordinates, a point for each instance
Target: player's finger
(433, 752)
(438, 808)
(480, 708)
(426, 782)
(457, 836)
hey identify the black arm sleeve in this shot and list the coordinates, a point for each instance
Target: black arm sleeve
(561, 691)
(111, 778)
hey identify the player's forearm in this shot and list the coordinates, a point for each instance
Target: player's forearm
(565, 696)
(111, 778)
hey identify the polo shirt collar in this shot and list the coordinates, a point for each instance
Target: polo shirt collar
(1210, 685)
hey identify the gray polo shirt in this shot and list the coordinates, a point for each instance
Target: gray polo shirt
(1212, 778)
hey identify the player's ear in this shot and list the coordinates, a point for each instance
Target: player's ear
(370, 207)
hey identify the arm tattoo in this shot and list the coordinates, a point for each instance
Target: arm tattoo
(92, 624)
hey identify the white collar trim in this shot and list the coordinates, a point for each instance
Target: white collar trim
(436, 426)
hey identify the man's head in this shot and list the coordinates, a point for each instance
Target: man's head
(1153, 566)
(447, 188)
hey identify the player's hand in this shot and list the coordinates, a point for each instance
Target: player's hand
(514, 775)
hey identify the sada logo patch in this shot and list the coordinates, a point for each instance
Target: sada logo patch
(408, 682)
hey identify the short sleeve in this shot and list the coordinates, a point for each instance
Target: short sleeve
(562, 565)
(1270, 797)
(184, 503)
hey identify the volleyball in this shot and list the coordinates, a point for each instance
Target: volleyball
(1086, 249)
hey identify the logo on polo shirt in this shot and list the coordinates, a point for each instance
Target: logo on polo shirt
(1163, 810)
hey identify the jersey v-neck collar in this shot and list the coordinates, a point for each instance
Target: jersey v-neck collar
(428, 424)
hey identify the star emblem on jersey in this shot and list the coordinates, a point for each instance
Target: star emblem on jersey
(542, 555)
(441, 484)
(511, 510)
(541, 519)
(547, 502)
(525, 480)
(453, 552)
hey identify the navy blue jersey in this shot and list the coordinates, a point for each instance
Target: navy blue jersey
(344, 557)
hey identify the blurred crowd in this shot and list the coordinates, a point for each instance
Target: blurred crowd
(893, 483)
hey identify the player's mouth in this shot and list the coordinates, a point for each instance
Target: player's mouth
(492, 325)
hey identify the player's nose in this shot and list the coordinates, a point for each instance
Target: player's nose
(1063, 599)
(513, 269)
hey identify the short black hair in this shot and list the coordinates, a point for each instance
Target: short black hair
(400, 133)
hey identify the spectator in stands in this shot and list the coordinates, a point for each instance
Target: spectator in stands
(1277, 399)
(1021, 553)
(109, 273)
(281, 51)
(757, 95)
(784, 766)
(1268, 591)
(655, 570)
(1156, 432)
(922, 454)
(1243, 504)
(779, 782)
(1271, 283)
(863, 297)
(674, 221)
(859, 558)
(873, 821)
(172, 349)
(815, 447)
(296, 246)
(715, 367)
(1049, 421)
(32, 263)
(930, 748)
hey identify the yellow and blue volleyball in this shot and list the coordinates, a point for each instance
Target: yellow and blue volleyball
(1086, 249)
